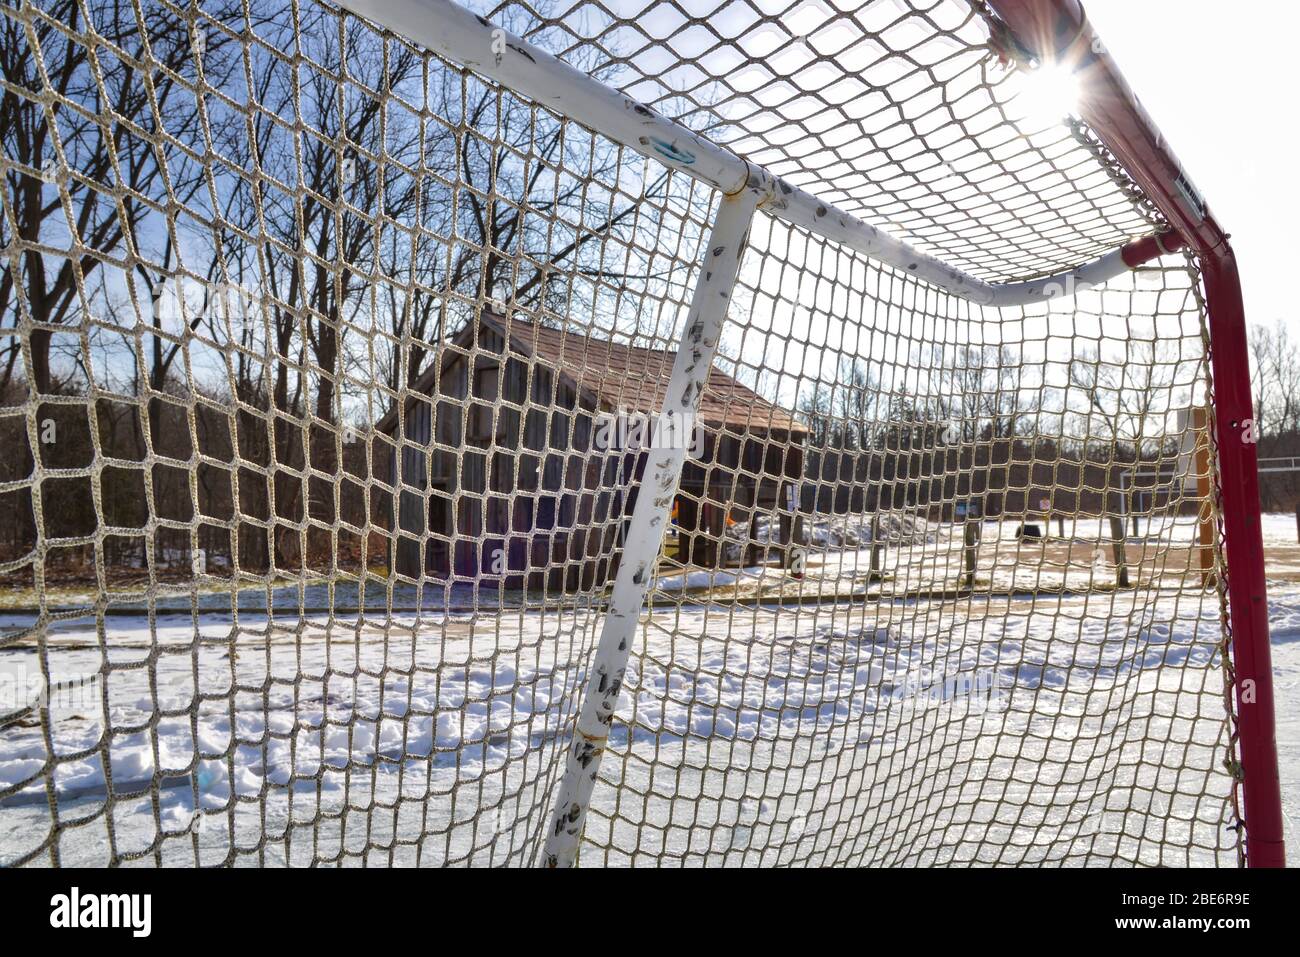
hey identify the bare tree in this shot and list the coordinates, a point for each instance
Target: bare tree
(1123, 398)
(1275, 381)
(70, 128)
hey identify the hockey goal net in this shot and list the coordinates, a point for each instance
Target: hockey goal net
(418, 452)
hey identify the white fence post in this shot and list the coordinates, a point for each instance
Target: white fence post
(657, 488)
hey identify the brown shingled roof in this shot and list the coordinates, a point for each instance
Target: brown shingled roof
(630, 377)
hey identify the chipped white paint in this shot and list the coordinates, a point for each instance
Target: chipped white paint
(472, 41)
(650, 515)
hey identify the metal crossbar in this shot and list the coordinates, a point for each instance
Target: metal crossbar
(466, 38)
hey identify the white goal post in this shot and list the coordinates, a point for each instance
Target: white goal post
(555, 434)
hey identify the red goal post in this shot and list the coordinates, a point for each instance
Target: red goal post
(1059, 30)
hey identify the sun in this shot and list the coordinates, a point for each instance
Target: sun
(1050, 93)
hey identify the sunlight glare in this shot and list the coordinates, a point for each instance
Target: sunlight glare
(1050, 94)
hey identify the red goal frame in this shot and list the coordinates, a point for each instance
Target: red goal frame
(1059, 29)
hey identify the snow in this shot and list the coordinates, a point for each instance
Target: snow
(1012, 729)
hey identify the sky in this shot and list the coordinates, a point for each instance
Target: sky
(1220, 80)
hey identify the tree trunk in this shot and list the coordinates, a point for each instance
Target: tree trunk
(972, 543)
(1118, 551)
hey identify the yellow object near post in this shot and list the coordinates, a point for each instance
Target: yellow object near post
(1205, 533)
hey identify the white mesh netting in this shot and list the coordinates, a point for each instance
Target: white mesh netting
(324, 362)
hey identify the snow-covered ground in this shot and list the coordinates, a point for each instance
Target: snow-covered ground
(1284, 623)
(1059, 728)
(1282, 554)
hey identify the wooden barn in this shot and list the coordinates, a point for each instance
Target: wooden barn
(507, 442)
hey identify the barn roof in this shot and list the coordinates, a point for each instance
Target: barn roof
(626, 377)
